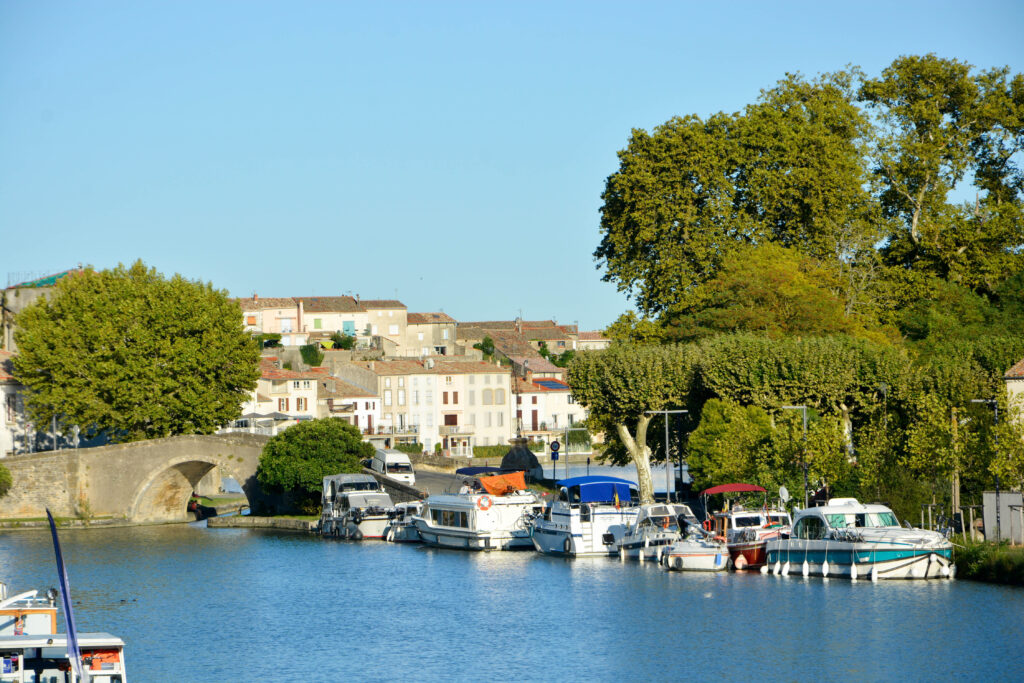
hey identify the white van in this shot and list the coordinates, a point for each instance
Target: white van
(394, 465)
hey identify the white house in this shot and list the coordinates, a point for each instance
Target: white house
(545, 407)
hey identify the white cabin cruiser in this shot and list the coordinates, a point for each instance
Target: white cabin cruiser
(590, 516)
(848, 539)
(354, 506)
(495, 518)
(27, 614)
(401, 528)
(44, 657)
(656, 527)
(697, 551)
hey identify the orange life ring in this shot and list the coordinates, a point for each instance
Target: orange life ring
(708, 525)
(484, 502)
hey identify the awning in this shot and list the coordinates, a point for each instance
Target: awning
(731, 488)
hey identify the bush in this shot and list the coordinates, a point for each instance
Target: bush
(296, 461)
(312, 355)
(991, 562)
(343, 341)
(410, 448)
(491, 452)
(268, 339)
(437, 447)
(6, 480)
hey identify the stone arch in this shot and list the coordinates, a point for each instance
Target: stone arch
(163, 494)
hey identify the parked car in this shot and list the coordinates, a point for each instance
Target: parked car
(395, 465)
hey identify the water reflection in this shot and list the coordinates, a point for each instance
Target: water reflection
(226, 605)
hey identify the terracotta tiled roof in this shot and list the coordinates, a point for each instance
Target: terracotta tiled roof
(1016, 372)
(7, 367)
(510, 324)
(545, 334)
(425, 318)
(330, 304)
(332, 387)
(367, 304)
(512, 344)
(269, 370)
(538, 363)
(593, 336)
(261, 303)
(466, 332)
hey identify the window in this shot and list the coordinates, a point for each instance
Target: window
(392, 329)
(282, 404)
(424, 351)
(306, 384)
(809, 528)
(448, 379)
(401, 381)
(472, 379)
(534, 400)
(415, 397)
(295, 384)
(488, 397)
(391, 314)
(487, 419)
(472, 397)
(499, 397)
(300, 404)
(571, 399)
(519, 400)
(430, 419)
(472, 419)
(419, 336)
(387, 382)
(250, 320)
(367, 405)
(317, 324)
(401, 397)
(415, 381)
(487, 379)
(444, 334)
(444, 398)
(429, 397)
(455, 397)
(501, 419)
(387, 397)
(373, 329)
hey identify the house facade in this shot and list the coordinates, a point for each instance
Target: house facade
(387, 322)
(453, 403)
(545, 407)
(273, 315)
(592, 341)
(12, 409)
(330, 314)
(343, 400)
(430, 334)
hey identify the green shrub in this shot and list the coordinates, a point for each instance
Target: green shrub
(490, 452)
(410, 448)
(6, 480)
(990, 562)
(437, 447)
(312, 355)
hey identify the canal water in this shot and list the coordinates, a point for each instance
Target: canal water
(198, 604)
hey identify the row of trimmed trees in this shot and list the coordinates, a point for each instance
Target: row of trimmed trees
(885, 424)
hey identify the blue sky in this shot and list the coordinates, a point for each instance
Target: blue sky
(449, 154)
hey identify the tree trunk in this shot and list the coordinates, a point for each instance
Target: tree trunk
(641, 455)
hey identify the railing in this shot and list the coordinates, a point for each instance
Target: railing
(447, 430)
(388, 429)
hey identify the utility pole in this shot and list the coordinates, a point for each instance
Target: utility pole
(668, 461)
(802, 408)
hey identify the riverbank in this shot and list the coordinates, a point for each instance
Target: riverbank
(250, 522)
(990, 562)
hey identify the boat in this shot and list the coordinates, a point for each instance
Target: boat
(354, 506)
(497, 517)
(747, 532)
(848, 539)
(697, 551)
(589, 516)
(400, 528)
(44, 657)
(27, 614)
(657, 526)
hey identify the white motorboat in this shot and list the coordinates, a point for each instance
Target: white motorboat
(401, 528)
(851, 540)
(697, 551)
(747, 532)
(497, 518)
(656, 527)
(44, 657)
(590, 516)
(354, 506)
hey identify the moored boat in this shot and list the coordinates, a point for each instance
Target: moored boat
(697, 551)
(848, 539)
(498, 517)
(657, 526)
(401, 528)
(27, 614)
(44, 657)
(354, 506)
(747, 532)
(589, 517)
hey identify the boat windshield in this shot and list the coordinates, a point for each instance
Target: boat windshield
(781, 519)
(862, 520)
(746, 520)
(660, 522)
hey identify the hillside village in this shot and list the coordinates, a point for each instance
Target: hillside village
(409, 377)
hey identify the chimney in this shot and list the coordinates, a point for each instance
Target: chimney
(255, 297)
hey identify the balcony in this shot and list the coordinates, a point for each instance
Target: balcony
(388, 429)
(451, 430)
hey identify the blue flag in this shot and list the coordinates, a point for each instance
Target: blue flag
(65, 597)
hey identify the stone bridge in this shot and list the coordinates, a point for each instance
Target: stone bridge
(143, 481)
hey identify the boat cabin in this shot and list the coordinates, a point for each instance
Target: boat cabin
(842, 513)
(584, 493)
(660, 516)
(729, 522)
(44, 657)
(27, 614)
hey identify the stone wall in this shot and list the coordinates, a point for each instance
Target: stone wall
(41, 481)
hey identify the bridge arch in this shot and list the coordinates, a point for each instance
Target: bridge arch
(162, 496)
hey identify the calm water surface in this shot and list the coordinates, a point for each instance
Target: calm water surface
(198, 604)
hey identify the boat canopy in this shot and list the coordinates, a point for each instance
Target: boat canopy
(731, 488)
(598, 489)
(504, 484)
(474, 471)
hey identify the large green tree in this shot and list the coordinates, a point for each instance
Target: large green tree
(297, 460)
(134, 355)
(620, 385)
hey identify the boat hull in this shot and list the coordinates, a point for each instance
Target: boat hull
(751, 555)
(465, 539)
(860, 561)
(368, 528)
(696, 560)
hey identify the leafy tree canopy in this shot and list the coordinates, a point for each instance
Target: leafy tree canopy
(135, 355)
(297, 460)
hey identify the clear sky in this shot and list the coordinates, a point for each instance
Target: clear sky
(449, 154)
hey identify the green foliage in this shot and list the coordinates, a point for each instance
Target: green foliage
(6, 480)
(491, 452)
(296, 460)
(410, 448)
(343, 341)
(268, 339)
(486, 346)
(991, 562)
(312, 355)
(137, 356)
(437, 448)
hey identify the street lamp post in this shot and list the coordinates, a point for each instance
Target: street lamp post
(995, 406)
(803, 462)
(668, 462)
